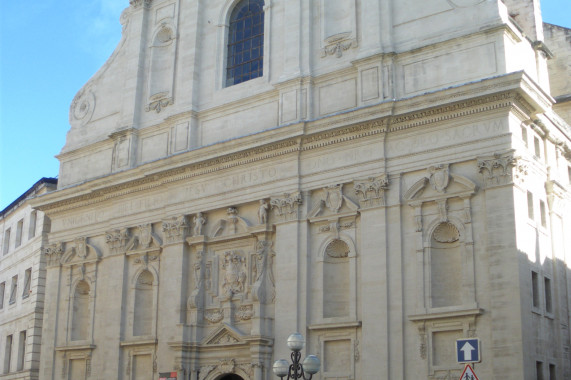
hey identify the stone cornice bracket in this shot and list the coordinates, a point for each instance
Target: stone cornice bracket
(54, 253)
(286, 207)
(371, 191)
(176, 229)
(502, 169)
(137, 3)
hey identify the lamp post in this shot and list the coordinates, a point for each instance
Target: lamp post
(297, 370)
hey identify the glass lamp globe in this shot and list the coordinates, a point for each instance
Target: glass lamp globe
(296, 342)
(281, 367)
(311, 364)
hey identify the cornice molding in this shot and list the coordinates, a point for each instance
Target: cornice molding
(330, 134)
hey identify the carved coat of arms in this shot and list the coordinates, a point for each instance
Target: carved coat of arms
(439, 177)
(334, 197)
(235, 275)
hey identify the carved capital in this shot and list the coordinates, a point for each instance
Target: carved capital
(176, 229)
(371, 191)
(502, 169)
(286, 208)
(54, 253)
(138, 3)
(117, 240)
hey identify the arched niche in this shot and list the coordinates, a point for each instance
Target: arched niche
(143, 309)
(336, 279)
(80, 314)
(445, 266)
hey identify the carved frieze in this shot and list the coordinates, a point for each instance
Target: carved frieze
(371, 191)
(286, 207)
(175, 229)
(502, 169)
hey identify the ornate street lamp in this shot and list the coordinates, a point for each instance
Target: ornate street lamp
(297, 370)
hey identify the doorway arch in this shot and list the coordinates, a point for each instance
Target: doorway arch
(231, 376)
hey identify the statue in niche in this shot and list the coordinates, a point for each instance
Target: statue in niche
(235, 276)
(263, 212)
(199, 222)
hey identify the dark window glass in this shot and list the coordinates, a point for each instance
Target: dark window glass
(245, 42)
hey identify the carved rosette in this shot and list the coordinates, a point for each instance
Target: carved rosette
(54, 253)
(117, 240)
(175, 229)
(286, 208)
(371, 191)
(502, 169)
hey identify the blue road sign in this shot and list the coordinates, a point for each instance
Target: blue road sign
(468, 350)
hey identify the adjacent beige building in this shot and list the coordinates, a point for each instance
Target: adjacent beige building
(385, 177)
(22, 283)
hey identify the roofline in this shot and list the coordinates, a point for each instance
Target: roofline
(30, 191)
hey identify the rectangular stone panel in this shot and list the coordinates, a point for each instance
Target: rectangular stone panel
(337, 97)
(370, 84)
(337, 357)
(434, 72)
(154, 147)
(180, 137)
(241, 123)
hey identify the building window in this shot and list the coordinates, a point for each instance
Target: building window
(7, 354)
(535, 289)
(245, 42)
(27, 281)
(548, 298)
(6, 241)
(524, 135)
(14, 290)
(32, 228)
(2, 291)
(552, 372)
(19, 229)
(21, 351)
(536, 146)
(543, 213)
(530, 205)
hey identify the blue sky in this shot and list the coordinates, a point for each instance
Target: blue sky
(48, 50)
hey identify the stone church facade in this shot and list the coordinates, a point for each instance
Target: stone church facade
(384, 177)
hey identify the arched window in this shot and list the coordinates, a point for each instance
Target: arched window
(245, 42)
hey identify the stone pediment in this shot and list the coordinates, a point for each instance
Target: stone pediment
(223, 336)
(332, 202)
(231, 225)
(144, 241)
(81, 252)
(440, 184)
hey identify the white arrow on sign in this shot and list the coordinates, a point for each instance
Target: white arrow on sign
(467, 348)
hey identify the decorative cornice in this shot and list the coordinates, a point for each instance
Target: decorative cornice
(308, 142)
